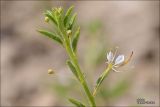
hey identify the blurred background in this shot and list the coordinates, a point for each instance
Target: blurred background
(26, 55)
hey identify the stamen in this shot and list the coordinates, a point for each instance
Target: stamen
(116, 70)
(115, 53)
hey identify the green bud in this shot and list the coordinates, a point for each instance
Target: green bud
(69, 32)
(59, 10)
(46, 19)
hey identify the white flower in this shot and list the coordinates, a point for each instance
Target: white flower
(117, 62)
(119, 59)
(110, 56)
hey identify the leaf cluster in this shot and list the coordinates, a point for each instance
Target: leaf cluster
(64, 22)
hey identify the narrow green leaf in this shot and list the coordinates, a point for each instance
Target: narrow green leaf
(71, 66)
(68, 13)
(49, 14)
(71, 22)
(76, 103)
(75, 39)
(98, 83)
(51, 35)
(100, 80)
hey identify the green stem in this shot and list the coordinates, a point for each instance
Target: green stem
(81, 76)
(74, 60)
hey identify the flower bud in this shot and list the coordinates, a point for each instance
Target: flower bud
(59, 10)
(46, 19)
(69, 32)
(50, 71)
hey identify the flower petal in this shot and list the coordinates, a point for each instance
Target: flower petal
(109, 56)
(119, 59)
